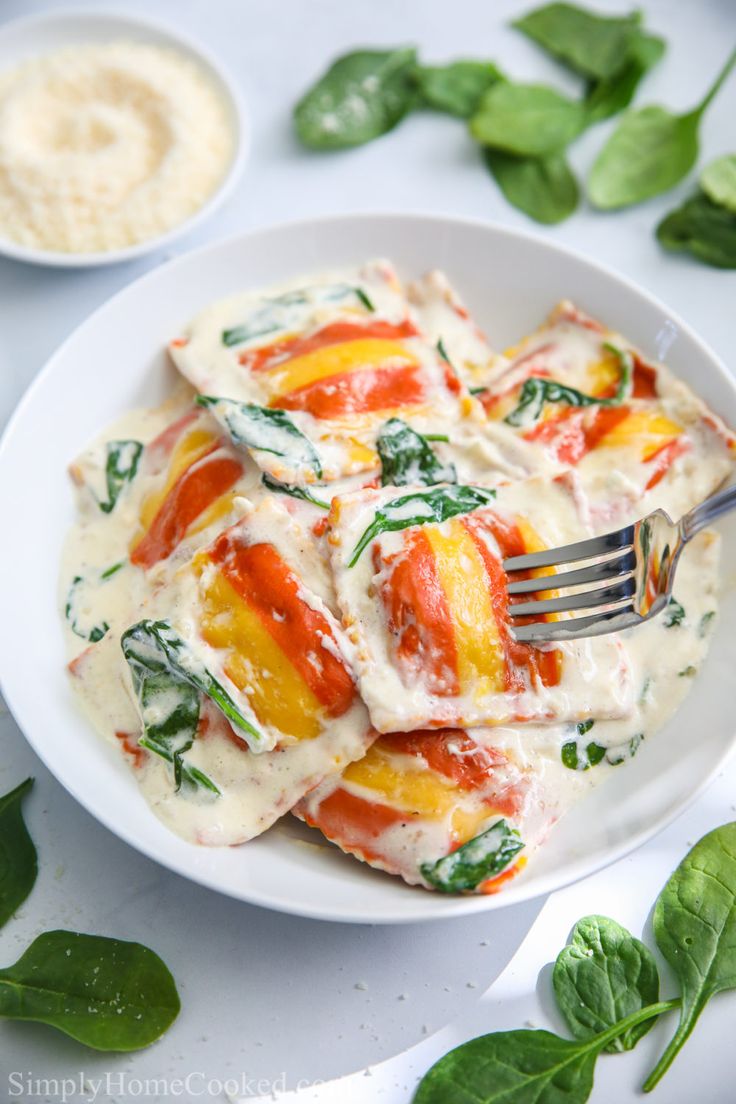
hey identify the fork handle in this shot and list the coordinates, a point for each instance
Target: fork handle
(707, 512)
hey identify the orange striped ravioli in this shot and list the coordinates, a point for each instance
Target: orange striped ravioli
(417, 797)
(340, 356)
(428, 610)
(653, 431)
(265, 633)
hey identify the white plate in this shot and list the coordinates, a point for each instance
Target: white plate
(47, 31)
(115, 360)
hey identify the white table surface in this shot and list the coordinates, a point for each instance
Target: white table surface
(270, 998)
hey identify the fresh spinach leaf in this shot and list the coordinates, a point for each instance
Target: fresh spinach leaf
(603, 975)
(406, 457)
(74, 616)
(651, 150)
(105, 993)
(292, 489)
(578, 756)
(545, 188)
(18, 859)
(422, 508)
(695, 929)
(592, 45)
(705, 623)
(360, 97)
(609, 95)
(528, 120)
(265, 430)
(121, 466)
(523, 1067)
(718, 181)
(702, 228)
(456, 88)
(674, 614)
(477, 860)
(537, 391)
(620, 753)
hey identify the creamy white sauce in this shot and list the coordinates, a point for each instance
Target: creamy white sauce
(629, 685)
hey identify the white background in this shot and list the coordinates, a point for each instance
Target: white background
(275, 997)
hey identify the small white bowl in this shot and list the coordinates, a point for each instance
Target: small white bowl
(40, 34)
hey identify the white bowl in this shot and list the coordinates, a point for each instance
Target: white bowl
(510, 280)
(47, 31)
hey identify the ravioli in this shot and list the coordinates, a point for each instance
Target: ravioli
(420, 583)
(306, 374)
(638, 437)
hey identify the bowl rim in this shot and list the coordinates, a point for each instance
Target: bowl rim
(225, 84)
(461, 906)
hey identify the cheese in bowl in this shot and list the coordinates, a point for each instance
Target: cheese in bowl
(106, 145)
(285, 593)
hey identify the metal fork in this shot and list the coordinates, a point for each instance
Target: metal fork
(629, 581)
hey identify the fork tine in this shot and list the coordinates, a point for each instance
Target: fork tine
(622, 564)
(569, 553)
(603, 596)
(598, 624)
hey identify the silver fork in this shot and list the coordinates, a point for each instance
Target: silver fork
(629, 581)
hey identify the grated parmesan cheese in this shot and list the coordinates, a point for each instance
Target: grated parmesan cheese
(105, 145)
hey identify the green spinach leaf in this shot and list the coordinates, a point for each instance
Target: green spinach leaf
(702, 228)
(264, 430)
(537, 391)
(651, 150)
(674, 614)
(72, 612)
(456, 88)
(705, 623)
(360, 97)
(603, 975)
(406, 457)
(545, 188)
(422, 508)
(718, 181)
(106, 993)
(121, 466)
(695, 929)
(593, 45)
(620, 753)
(523, 1067)
(18, 859)
(477, 860)
(292, 489)
(577, 756)
(284, 312)
(528, 120)
(609, 95)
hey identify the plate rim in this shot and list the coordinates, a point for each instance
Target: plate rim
(460, 906)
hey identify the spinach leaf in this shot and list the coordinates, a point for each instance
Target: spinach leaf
(263, 429)
(609, 95)
(523, 1067)
(406, 457)
(649, 152)
(674, 614)
(603, 975)
(695, 929)
(545, 188)
(620, 753)
(93, 633)
(718, 181)
(360, 97)
(169, 707)
(283, 312)
(121, 466)
(422, 508)
(106, 993)
(18, 860)
(592, 45)
(705, 623)
(456, 88)
(702, 228)
(529, 120)
(293, 490)
(476, 861)
(577, 756)
(537, 391)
